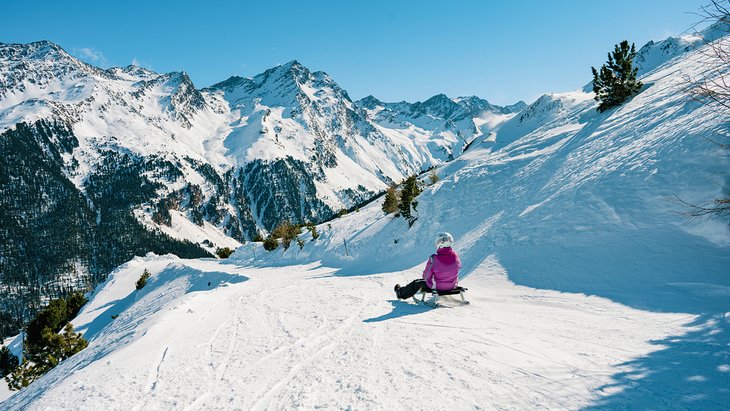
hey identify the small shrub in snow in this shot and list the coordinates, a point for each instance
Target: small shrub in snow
(23, 375)
(271, 243)
(258, 238)
(143, 279)
(711, 87)
(313, 229)
(433, 178)
(616, 81)
(224, 252)
(300, 243)
(287, 232)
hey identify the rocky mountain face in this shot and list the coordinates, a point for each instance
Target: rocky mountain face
(101, 165)
(57, 238)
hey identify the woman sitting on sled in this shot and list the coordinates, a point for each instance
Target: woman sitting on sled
(441, 273)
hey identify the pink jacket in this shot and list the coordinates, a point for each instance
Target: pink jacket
(442, 269)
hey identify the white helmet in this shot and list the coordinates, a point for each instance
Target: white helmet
(444, 240)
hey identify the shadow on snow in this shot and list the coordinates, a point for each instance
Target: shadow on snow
(400, 309)
(691, 371)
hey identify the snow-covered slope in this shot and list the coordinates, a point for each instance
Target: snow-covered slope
(209, 335)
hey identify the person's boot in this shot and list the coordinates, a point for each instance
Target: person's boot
(396, 288)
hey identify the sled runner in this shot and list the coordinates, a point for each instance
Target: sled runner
(435, 294)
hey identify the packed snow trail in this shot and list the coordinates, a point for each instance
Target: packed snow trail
(299, 337)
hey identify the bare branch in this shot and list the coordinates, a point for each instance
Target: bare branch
(712, 88)
(719, 207)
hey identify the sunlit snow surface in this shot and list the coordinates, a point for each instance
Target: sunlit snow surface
(300, 336)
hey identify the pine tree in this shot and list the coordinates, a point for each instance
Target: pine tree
(409, 192)
(52, 317)
(62, 346)
(224, 252)
(57, 347)
(8, 361)
(616, 81)
(142, 280)
(390, 204)
(74, 302)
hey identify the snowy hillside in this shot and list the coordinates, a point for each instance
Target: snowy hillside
(588, 288)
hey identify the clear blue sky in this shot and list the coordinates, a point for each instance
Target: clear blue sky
(503, 51)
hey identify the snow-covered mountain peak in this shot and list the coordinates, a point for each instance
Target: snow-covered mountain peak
(292, 70)
(132, 73)
(39, 69)
(477, 105)
(176, 82)
(45, 57)
(230, 84)
(516, 107)
(37, 50)
(369, 102)
(289, 74)
(441, 106)
(471, 101)
(285, 85)
(184, 99)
